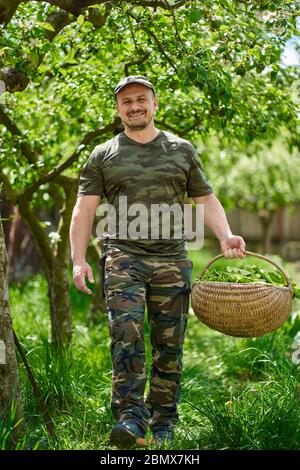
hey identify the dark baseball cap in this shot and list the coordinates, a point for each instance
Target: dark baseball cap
(133, 79)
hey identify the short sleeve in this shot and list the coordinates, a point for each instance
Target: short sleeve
(91, 181)
(197, 184)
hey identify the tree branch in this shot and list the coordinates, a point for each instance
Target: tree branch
(171, 7)
(58, 20)
(167, 126)
(7, 10)
(66, 181)
(156, 3)
(94, 16)
(65, 221)
(75, 7)
(32, 157)
(162, 50)
(177, 131)
(17, 81)
(88, 138)
(26, 149)
(13, 79)
(134, 62)
(39, 234)
(159, 45)
(11, 193)
(191, 127)
(32, 221)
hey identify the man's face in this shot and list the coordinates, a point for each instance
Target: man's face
(136, 106)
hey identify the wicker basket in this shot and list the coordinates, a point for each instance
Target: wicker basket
(244, 310)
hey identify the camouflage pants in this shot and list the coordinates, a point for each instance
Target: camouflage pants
(130, 284)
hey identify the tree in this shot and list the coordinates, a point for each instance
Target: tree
(223, 54)
(10, 401)
(262, 181)
(215, 65)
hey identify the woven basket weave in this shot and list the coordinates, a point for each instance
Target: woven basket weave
(244, 310)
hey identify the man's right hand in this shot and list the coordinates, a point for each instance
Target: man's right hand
(81, 270)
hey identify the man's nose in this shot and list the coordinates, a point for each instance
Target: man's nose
(135, 106)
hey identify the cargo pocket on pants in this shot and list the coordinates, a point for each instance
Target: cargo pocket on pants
(102, 275)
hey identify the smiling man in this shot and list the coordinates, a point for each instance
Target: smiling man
(149, 167)
(136, 104)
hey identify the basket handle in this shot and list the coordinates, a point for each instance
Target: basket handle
(249, 253)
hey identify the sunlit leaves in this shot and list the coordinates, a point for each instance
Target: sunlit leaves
(266, 178)
(215, 66)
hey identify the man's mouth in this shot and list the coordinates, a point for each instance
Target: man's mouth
(137, 115)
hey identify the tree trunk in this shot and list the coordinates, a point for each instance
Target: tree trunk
(97, 309)
(9, 377)
(7, 10)
(55, 261)
(267, 222)
(59, 279)
(60, 305)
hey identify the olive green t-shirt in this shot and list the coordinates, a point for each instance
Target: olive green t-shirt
(162, 171)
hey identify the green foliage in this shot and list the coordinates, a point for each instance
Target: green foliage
(10, 435)
(260, 179)
(216, 66)
(242, 393)
(261, 418)
(236, 393)
(244, 272)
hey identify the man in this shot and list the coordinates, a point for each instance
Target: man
(148, 167)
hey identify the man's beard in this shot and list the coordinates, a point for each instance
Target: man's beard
(139, 125)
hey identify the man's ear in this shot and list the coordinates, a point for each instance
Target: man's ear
(155, 100)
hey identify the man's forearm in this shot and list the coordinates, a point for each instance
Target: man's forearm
(214, 216)
(80, 232)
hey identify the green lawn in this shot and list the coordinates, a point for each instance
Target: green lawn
(236, 393)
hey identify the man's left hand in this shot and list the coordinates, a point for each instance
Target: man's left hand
(233, 247)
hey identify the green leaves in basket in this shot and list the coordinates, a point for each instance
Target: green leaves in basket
(296, 291)
(247, 273)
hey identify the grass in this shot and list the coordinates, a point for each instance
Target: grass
(236, 393)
